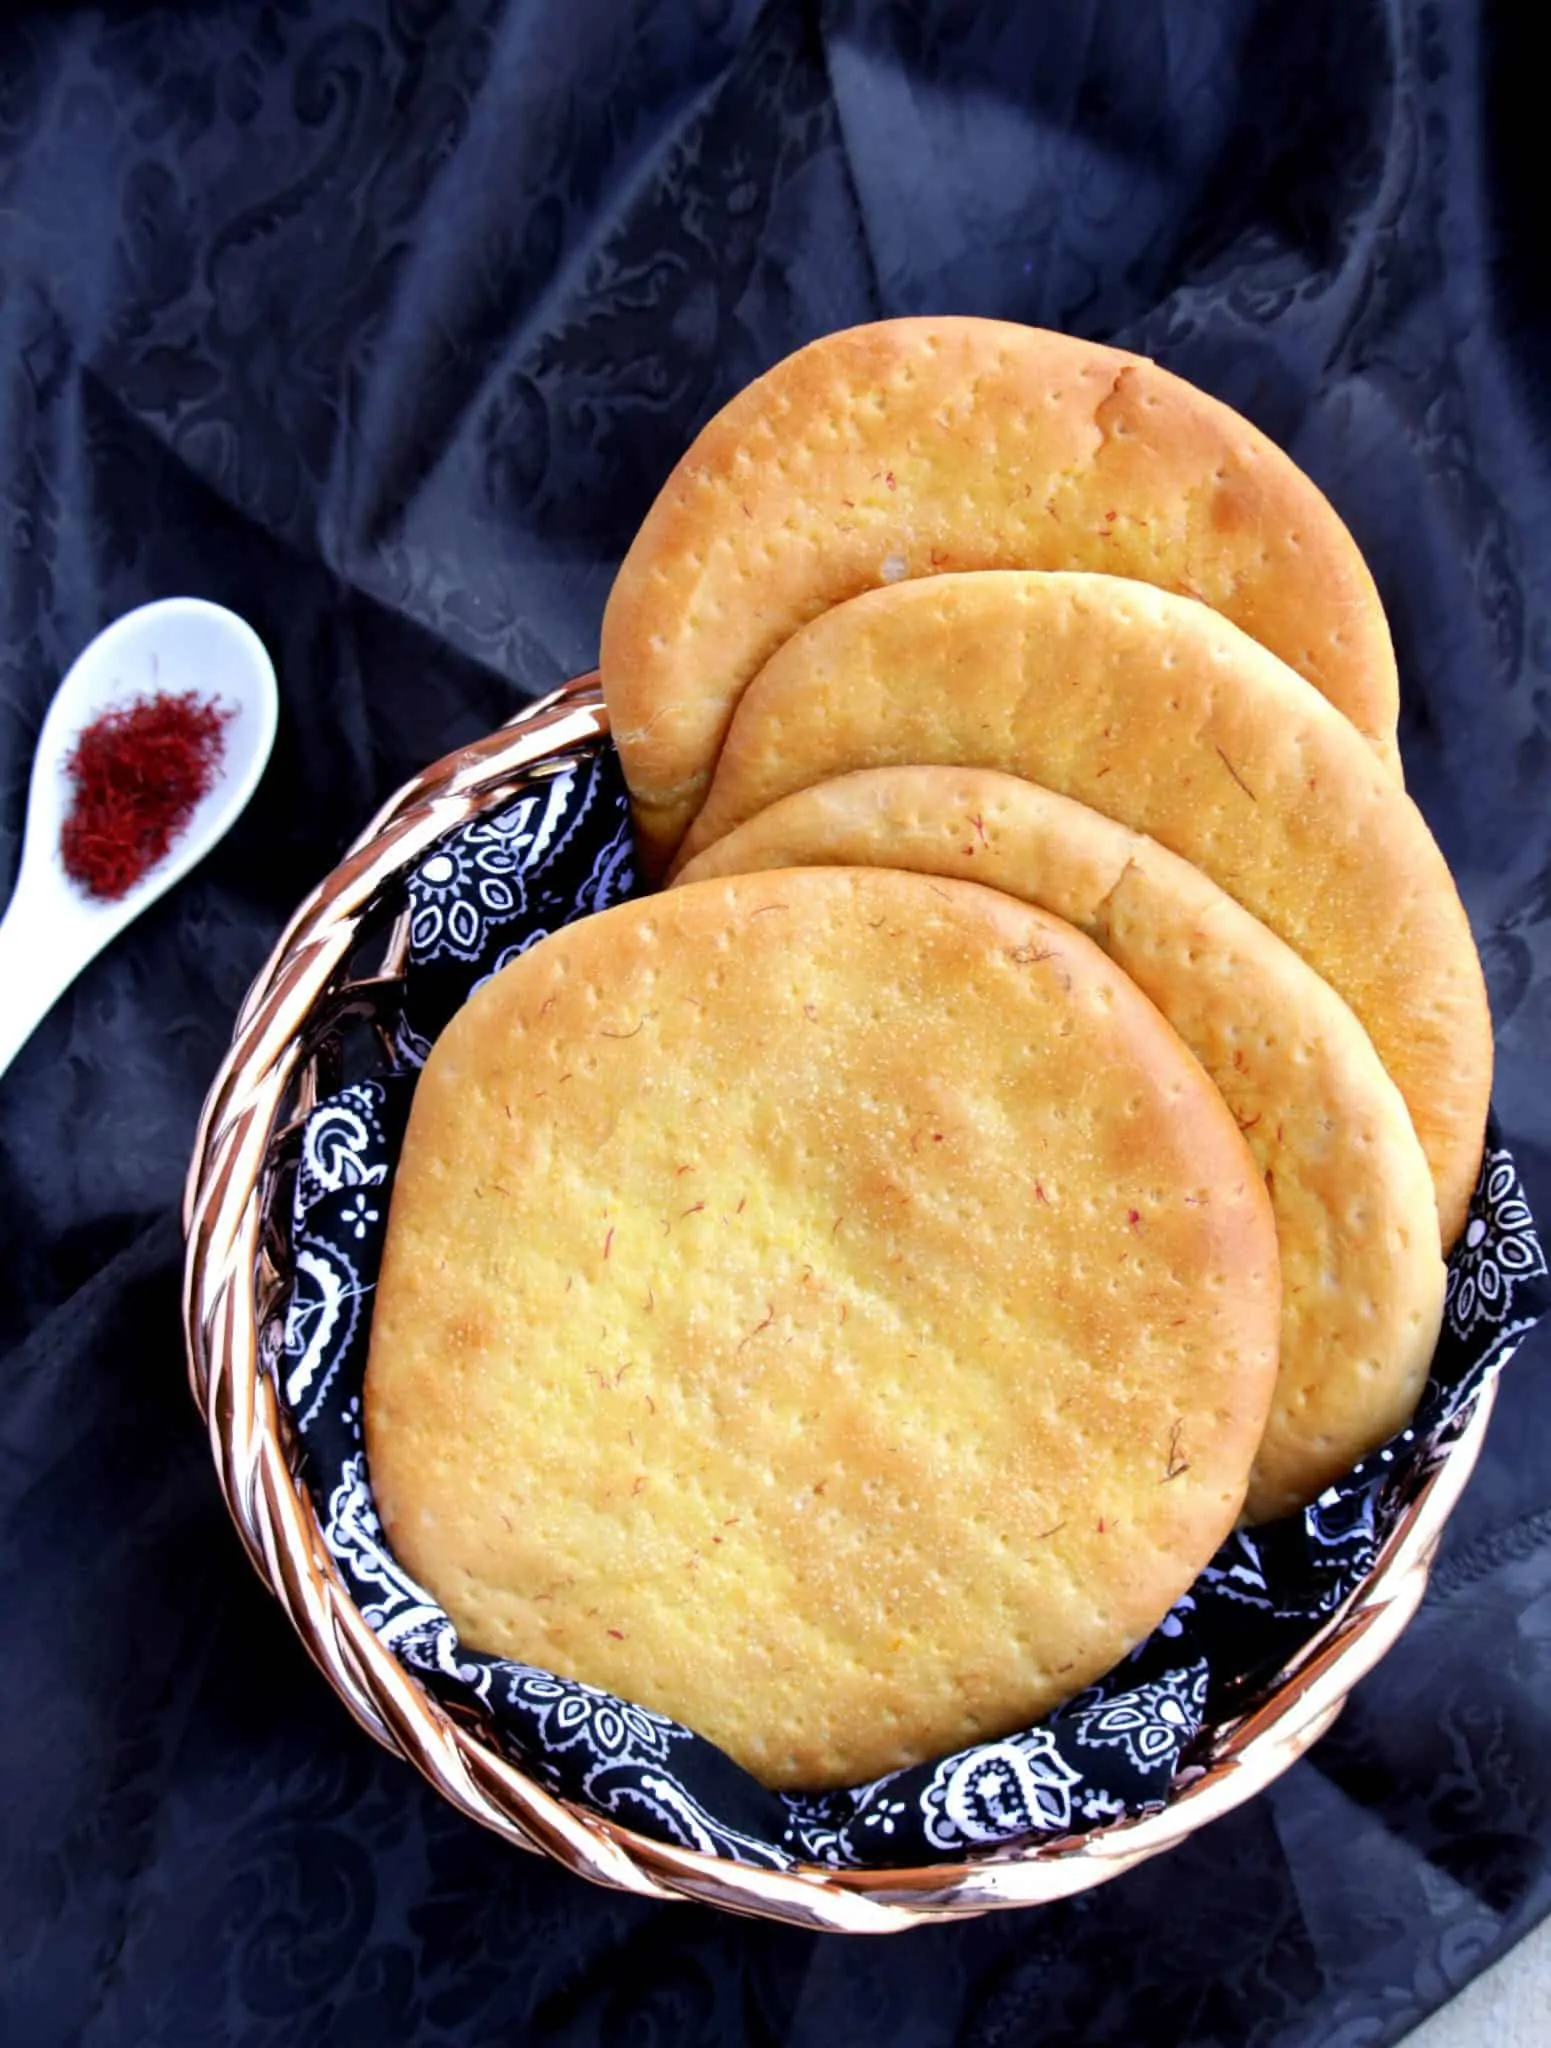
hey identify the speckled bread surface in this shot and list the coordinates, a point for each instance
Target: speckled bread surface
(1160, 713)
(831, 1307)
(1357, 1226)
(915, 446)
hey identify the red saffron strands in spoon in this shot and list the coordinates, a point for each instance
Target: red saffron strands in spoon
(136, 775)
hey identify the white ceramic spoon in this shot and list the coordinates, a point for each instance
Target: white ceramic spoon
(53, 927)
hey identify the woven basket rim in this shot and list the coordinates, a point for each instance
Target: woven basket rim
(228, 1183)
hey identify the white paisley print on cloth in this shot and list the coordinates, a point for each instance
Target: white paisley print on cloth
(567, 1713)
(1498, 1250)
(392, 1604)
(320, 1322)
(1236, 1574)
(815, 1844)
(337, 1145)
(1342, 1527)
(1002, 1789)
(1151, 1725)
(474, 880)
(613, 873)
(411, 1048)
(677, 1815)
(342, 1148)
(624, 1753)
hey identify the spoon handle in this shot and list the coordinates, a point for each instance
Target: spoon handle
(33, 971)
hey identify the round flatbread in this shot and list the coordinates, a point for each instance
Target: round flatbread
(1357, 1228)
(915, 446)
(832, 1308)
(1160, 713)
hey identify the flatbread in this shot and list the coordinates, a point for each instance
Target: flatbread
(915, 446)
(1159, 713)
(1357, 1228)
(831, 1308)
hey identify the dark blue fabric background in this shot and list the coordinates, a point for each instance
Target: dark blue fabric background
(382, 322)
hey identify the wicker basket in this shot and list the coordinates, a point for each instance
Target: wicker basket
(336, 973)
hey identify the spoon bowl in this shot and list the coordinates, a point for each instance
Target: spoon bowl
(53, 926)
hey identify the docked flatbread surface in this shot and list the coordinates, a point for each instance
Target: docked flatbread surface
(830, 1307)
(1357, 1226)
(1160, 713)
(911, 447)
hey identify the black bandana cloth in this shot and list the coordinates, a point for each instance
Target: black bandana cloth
(488, 891)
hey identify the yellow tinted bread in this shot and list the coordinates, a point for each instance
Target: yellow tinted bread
(1162, 714)
(830, 1307)
(915, 446)
(1357, 1227)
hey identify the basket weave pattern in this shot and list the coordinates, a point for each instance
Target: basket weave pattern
(337, 969)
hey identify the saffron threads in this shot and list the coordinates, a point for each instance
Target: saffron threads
(136, 774)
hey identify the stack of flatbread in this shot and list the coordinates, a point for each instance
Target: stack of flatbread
(844, 1299)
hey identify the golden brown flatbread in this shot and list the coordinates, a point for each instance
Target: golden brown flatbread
(1357, 1226)
(911, 447)
(832, 1308)
(1158, 712)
